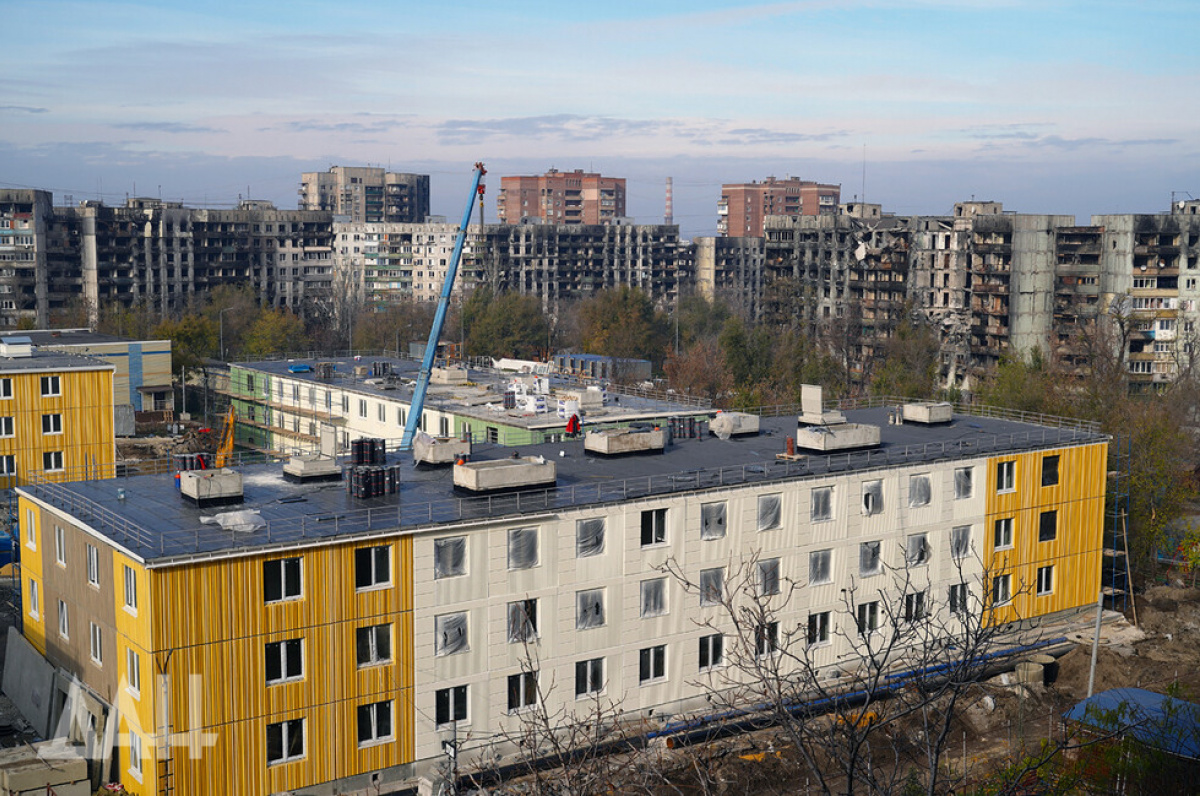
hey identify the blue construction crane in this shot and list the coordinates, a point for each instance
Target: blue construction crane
(439, 318)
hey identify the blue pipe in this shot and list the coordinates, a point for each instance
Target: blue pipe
(435, 332)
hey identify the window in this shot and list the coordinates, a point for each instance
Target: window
(8, 465)
(60, 545)
(769, 512)
(964, 483)
(6, 427)
(381, 413)
(768, 577)
(93, 565)
(652, 664)
(1048, 526)
(522, 548)
(589, 677)
(35, 608)
(1003, 534)
(6, 389)
(960, 595)
(918, 490)
(51, 386)
(450, 705)
(822, 504)
(97, 647)
(285, 660)
(960, 541)
(362, 407)
(1045, 580)
(868, 617)
(130, 590)
(914, 606)
(52, 461)
(589, 609)
(522, 691)
(1050, 470)
(654, 527)
(712, 521)
(52, 424)
(30, 529)
(1001, 589)
(449, 557)
(285, 741)
(818, 628)
(872, 497)
(712, 586)
(136, 756)
(916, 549)
(133, 672)
(372, 567)
(281, 579)
(712, 651)
(373, 644)
(868, 559)
(654, 597)
(1006, 476)
(766, 638)
(374, 722)
(522, 621)
(64, 622)
(450, 634)
(820, 567)
(589, 537)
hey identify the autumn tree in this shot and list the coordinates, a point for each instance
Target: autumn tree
(698, 369)
(623, 324)
(194, 338)
(910, 363)
(504, 325)
(275, 331)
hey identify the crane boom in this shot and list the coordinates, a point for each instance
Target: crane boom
(439, 317)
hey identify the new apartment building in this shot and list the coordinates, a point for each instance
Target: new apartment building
(556, 197)
(336, 642)
(366, 193)
(56, 414)
(743, 207)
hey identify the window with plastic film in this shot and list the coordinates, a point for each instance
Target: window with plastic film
(522, 621)
(919, 492)
(822, 504)
(964, 483)
(820, 567)
(589, 537)
(522, 548)
(450, 634)
(712, 586)
(654, 597)
(869, 562)
(449, 557)
(770, 512)
(768, 577)
(872, 497)
(712, 520)
(589, 609)
(960, 542)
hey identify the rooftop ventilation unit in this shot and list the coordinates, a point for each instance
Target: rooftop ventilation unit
(439, 450)
(325, 371)
(823, 431)
(16, 347)
(449, 375)
(732, 424)
(925, 412)
(211, 487)
(617, 441)
(521, 472)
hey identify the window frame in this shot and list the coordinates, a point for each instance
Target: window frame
(371, 633)
(969, 480)
(712, 647)
(522, 628)
(654, 527)
(917, 550)
(443, 563)
(777, 522)
(817, 630)
(283, 651)
(8, 427)
(958, 598)
(814, 570)
(96, 643)
(52, 424)
(1006, 477)
(644, 588)
(769, 577)
(1053, 472)
(872, 497)
(915, 487)
(652, 664)
(711, 586)
(915, 609)
(373, 574)
(515, 537)
(131, 599)
(60, 546)
(595, 608)
(456, 699)
(133, 673)
(93, 566)
(1001, 584)
(766, 639)
(579, 531)
(960, 542)
(283, 565)
(826, 493)
(53, 462)
(589, 677)
(1045, 582)
(526, 683)
(51, 386)
(64, 620)
(373, 711)
(866, 617)
(713, 520)
(1004, 533)
(441, 646)
(1048, 526)
(286, 732)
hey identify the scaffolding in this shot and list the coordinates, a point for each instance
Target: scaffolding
(1115, 582)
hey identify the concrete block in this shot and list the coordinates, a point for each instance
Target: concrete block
(505, 474)
(208, 487)
(615, 441)
(730, 424)
(439, 450)
(928, 412)
(843, 436)
(450, 375)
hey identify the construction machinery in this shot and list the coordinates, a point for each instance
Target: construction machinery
(439, 317)
(225, 449)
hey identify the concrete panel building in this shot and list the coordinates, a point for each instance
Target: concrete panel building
(336, 642)
(142, 375)
(366, 193)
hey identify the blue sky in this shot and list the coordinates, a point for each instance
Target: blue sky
(1047, 106)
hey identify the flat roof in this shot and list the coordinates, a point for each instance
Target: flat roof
(51, 361)
(482, 398)
(42, 337)
(146, 514)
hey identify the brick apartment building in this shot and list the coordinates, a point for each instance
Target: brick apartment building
(743, 206)
(575, 197)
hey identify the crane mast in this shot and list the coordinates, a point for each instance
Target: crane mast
(439, 317)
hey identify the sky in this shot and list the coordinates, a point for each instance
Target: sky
(1049, 106)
